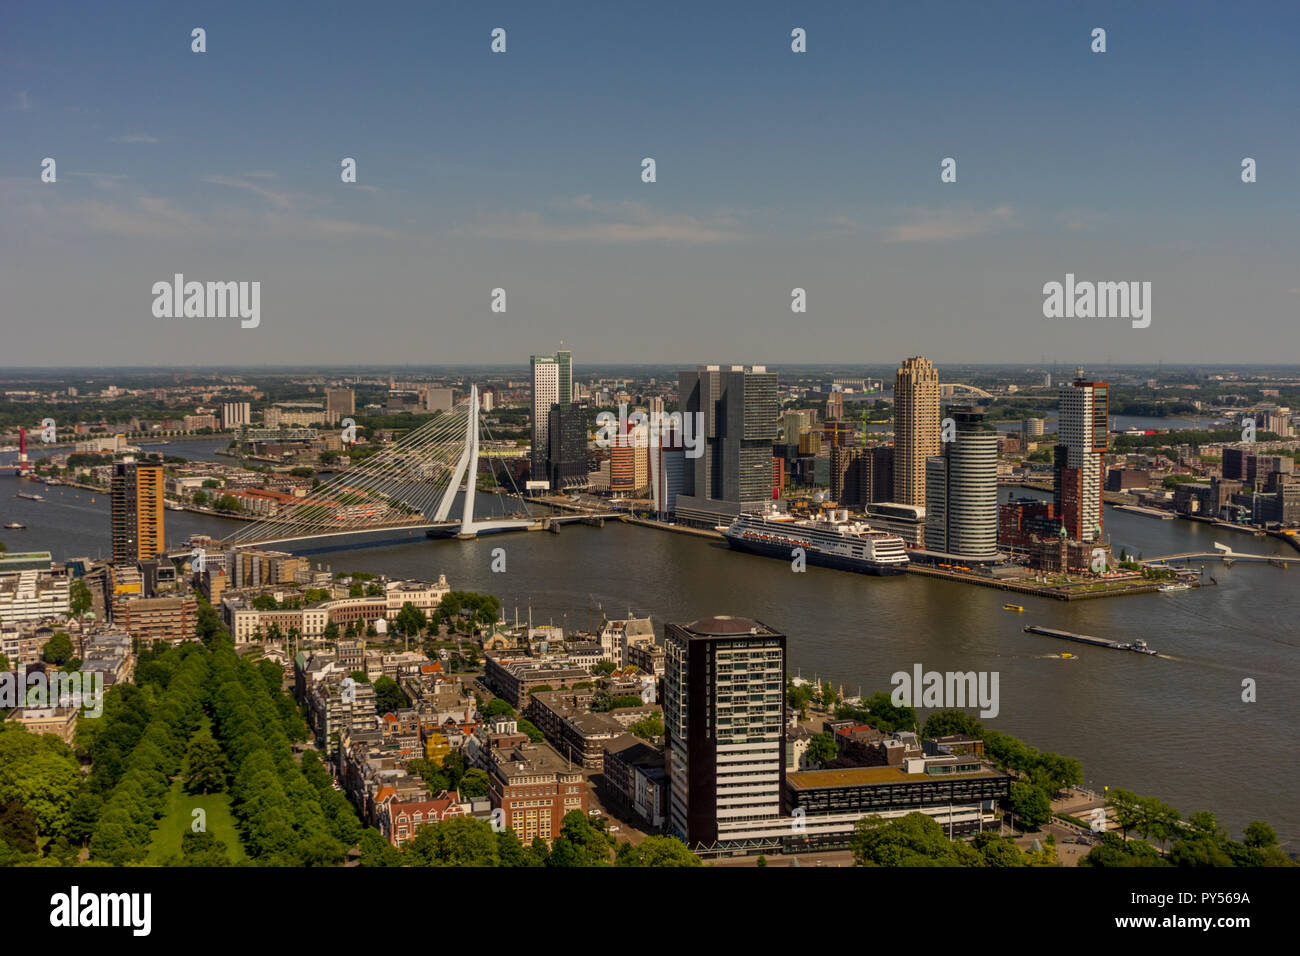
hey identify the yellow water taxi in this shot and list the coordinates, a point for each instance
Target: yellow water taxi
(1013, 607)
(1068, 657)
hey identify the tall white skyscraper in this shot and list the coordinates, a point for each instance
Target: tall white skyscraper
(546, 392)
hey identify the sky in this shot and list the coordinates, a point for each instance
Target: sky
(522, 170)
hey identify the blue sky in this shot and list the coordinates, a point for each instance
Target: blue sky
(775, 170)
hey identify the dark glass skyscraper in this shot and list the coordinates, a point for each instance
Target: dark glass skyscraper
(738, 407)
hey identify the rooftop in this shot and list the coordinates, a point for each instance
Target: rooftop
(873, 776)
(724, 625)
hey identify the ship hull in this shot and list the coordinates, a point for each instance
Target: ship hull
(813, 556)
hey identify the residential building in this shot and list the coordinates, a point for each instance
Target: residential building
(916, 428)
(961, 502)
(633, 779)
(1081, 442)
(136, 511)
(724, 720)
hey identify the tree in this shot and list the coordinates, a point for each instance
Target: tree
(79, 602)
(40, 773)
(579, 843)
(1260, 835)
(530, 729)
(822, 749)
(658, 851)
(18, 827)
(389, 698)
(913, 840)
(460, 841)
(648, 728)
(1030, 803)
(473, 784)
(942, 723)
(498, 708)
(57, 650)
(205, 765)
(410, 620)
(1115, 851)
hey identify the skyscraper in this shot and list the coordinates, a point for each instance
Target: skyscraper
(1081, 441)
(738, 407)
(566, 457)
(961, 501)
(552, 385)
(916, 428)
(724, 728)
(546, 392)
(137, 511)
(564, 387)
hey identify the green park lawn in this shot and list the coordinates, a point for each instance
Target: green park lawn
(177, 821)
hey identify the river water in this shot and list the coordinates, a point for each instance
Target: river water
(1172, 726)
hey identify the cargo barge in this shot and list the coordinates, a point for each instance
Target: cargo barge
(1138, 646)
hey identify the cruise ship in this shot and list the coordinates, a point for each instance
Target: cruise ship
(830, 540)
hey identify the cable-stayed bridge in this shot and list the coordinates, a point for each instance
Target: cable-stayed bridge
(412, 484)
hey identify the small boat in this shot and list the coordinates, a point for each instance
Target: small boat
(1180, 586)
(1013, 607)
(15, 526)
(29, 496)
(1068, 657)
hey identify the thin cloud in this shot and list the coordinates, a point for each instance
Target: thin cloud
(940, 225)
(101, 180)
(583, 219)
(136, 138)
(278, 199)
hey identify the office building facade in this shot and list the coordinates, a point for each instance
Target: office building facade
(724, 719)
(737, 407)
(566, 446)
(546, 392)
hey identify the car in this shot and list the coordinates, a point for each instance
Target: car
(593, 813)
(613, 829)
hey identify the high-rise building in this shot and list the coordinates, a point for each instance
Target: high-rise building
(916, 428)
(546, 392)
(137, 511)
(961, 499)
(629, 460)
(724, 729)
(340, 403)
(566, 454)
(1081, 442)
(234, 414)
(860, 476)
(564, 385)
(737, 407)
